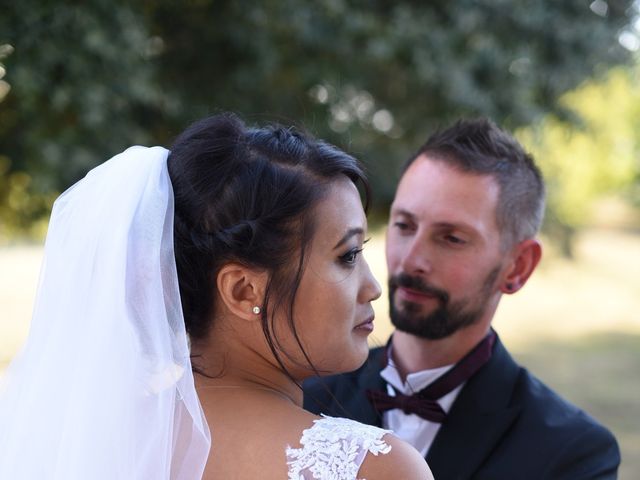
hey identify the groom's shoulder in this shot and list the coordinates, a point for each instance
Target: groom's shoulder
(545, 406)
(563, 429)
(539, 403)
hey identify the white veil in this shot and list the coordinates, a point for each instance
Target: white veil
(103, 388)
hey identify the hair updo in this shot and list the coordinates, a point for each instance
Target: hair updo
(246, 195)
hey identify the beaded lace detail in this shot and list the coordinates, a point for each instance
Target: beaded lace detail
(334, 449)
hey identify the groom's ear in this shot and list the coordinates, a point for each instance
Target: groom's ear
(241, 289)
(524, 259)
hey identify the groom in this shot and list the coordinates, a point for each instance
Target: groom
(462, 232)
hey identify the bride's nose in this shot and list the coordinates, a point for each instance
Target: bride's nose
(370, 289)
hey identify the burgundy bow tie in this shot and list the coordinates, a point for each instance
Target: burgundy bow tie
(423, 407)
(424, 403)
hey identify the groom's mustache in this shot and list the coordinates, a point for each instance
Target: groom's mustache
(416, 283)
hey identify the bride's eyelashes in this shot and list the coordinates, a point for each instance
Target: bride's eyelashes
(350, 258)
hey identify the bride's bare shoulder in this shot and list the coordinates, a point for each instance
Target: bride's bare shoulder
(258, 427)
(402, 461)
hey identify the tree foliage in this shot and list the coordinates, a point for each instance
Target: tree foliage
(585, 161)
(89, 78)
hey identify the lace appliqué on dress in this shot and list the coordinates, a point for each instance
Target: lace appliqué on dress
(334, 449)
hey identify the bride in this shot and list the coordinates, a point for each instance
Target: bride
(191, 291)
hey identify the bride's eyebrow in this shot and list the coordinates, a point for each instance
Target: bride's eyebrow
(350, 233)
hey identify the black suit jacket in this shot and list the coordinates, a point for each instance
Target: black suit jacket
(504, 424)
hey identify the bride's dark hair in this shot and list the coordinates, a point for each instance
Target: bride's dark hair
(246, 195)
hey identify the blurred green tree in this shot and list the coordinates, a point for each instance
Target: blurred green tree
(80, 86)
(88, 78)
(587, 160)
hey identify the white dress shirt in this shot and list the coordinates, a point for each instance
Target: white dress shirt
(412, 428)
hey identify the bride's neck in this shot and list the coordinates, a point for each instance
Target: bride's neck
(229, 364)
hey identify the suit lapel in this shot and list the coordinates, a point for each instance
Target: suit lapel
(479, 417)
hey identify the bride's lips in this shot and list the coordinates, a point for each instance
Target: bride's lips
(366, 326)
(415, 296)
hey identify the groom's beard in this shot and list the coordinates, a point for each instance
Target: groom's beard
(449, 317)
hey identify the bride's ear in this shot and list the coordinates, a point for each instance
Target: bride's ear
(242, 289)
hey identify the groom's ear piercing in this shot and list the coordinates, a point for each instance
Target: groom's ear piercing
(256, 310)
(509, 287)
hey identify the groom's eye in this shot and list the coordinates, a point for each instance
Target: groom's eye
(402, 226)
(454, 239)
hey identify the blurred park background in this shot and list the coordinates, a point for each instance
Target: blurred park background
(80, 81)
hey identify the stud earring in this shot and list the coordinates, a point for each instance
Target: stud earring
(256, 310)
(509, 286)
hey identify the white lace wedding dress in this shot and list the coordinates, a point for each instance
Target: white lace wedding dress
(334, 449)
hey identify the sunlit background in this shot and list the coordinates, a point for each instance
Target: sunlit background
(79, 84)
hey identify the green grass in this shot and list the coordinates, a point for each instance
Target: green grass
(575, 325)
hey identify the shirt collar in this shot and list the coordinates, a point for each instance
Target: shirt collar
(415, 381)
